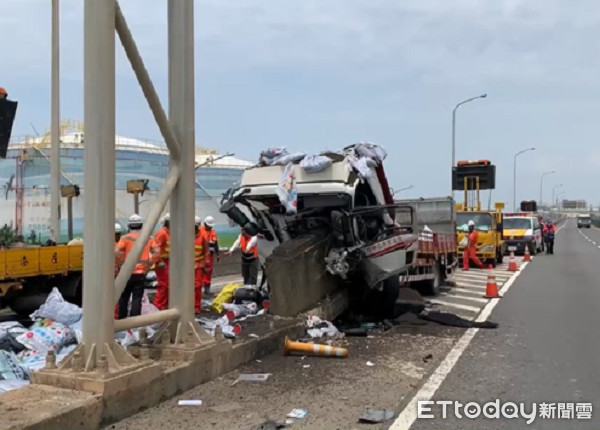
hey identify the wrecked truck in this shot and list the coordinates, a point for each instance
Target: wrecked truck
(321, 229)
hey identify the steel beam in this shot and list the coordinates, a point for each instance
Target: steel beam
(55, 128)
(146, 320)
(146, 83)
(181, 115)
(99, 191)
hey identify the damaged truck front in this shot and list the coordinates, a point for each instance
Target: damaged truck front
(339, 232)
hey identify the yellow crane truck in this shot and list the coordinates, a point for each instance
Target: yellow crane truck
(28, 274)
(471, 177)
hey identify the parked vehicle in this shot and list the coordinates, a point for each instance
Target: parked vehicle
(522, 230)
(584, 221)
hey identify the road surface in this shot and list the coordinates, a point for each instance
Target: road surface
(547, 349)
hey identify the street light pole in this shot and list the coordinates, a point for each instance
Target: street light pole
(554, 189)
(482, 96)
(515, 177)
(542, 184)
(55, 128)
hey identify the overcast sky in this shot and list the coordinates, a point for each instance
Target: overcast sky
(317, 74)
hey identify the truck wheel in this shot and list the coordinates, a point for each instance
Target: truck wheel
(391, 288)
(499, 256)
(26, 305)
(533, 248)
(432, 287)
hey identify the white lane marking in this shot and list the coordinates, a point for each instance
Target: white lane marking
(464, 284)
(461, 297)
(409, 415)
(466, 290)
(455, 305)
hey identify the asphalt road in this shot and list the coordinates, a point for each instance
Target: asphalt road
(547, 348)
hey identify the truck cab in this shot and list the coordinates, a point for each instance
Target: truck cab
(490, 246)
(584, 221)
(523, 230)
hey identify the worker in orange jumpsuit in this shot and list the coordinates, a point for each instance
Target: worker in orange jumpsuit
(211, 237)
(3, 94)
(470, 253)
(201, 255)
(162, 239)
(134, 289)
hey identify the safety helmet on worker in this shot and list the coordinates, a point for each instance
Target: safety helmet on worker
(197, 221)
(135, 221)
(209, 221)
(118, 228)
(471, 223)
(167, 217)
(3, 91)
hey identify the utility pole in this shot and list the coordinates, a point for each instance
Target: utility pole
(55, 128)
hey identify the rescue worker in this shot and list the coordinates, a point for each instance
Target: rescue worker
(549, 232)
(162, 239)
(211, 237)
(134, 289)
(249, 247)
(118, 232)
(201, 256)
(3, 94)
(470, 253)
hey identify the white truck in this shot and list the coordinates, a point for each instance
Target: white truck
(344, 215)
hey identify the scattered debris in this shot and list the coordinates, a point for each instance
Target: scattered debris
(427, 358)
(317, 328)
(313, 349)
(270, 425)
(370, 364)
(306, 366)
(373, 416)
(252, 377)
(189, 403)
(298, 413)
(453, 320)
(253, 335)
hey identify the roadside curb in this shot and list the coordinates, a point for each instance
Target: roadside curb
(42, 407)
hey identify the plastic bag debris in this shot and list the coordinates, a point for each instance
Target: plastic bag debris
(298, 413)
(189, 403)
(31, 360)
(77, 330)
(6, 386)
(371, 150)
(57, 309)
(10, 367)
(229, 331)
(370, 364)
(252, 377)
(9, 331)
(46, 335)
(268, 156)
(242, 310)
(315, 163)
(287, 191)
(373, 416)
(316, 328)
(289, 158)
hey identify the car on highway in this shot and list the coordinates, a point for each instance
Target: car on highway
(584, 221)
(522, 231)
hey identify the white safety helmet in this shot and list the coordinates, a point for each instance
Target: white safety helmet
(118, 228)
(209, 221)
(471, 223)
(135, 219)
(167, 217)
(197, 221)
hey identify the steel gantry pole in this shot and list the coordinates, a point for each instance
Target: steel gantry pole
(99, 186)
(55, 128)
(515, 177)
(181, 115)
(542, 185)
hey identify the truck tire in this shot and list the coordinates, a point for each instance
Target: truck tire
(499, 256)
(532, 248)
(391, 287)
(26, 305)
(432, 287)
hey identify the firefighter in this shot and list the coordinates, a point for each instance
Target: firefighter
(470, 253)
(118, 232)
(201, 256)
(162, 239)
(211, 236)
(249, 247)
(136, 284)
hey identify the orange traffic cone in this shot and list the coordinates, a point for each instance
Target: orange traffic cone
(527, 255)
(313, 349)
(491, 288)
(512, 263)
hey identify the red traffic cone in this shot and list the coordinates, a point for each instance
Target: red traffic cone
(512, 263)
(527, 255)
(491, 288)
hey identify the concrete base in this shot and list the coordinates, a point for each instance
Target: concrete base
(333, 306)
(130, 392)
(297, 276)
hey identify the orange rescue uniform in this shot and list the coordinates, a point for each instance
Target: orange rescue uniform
(201, 256)
(470, 253)
(162, 239)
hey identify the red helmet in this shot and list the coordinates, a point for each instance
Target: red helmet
(3, 91)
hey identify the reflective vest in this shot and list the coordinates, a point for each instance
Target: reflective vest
(148, 256)
(163, 241)
(211, 238)
(199, 248)
(248, 255)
